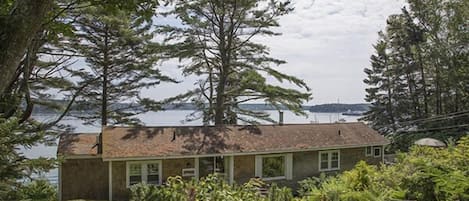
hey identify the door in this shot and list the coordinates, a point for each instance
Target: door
(213, 165)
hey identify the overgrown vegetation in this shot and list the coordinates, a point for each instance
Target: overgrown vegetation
(423, 174)
(208, 188)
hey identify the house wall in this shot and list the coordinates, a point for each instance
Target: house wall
(84, 179)
(306, 164)
(120, 192)
(173, 167)
(88, 178)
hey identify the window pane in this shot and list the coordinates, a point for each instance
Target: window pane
(324, 165)
(135, 180)
(206, 166)
(152, 169)
(334, 164)
(377, 151)
(368, 150)
(324, 157)
(335, 156)
(153, 174)
(273, 166)
(135, 169)
(153, 179)
(219, 165)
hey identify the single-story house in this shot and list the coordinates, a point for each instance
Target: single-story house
(103, 166)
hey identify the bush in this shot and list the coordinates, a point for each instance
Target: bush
(427, 174)
(38, 190)
(208, 188)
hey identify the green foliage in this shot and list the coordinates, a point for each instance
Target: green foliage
(121, 60)
(208, 188)
(38, 190)
(418, 78)
(424, 174)
(14, 166)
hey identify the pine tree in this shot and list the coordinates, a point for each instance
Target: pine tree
(428, 71)
(379, 93)
(216, 44)
(121, 59)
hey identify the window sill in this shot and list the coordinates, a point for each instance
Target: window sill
(274, 178)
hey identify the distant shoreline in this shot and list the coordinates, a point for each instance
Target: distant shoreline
(326, 108)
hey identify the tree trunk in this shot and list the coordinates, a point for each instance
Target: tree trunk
(17, 31)
(220, 97)
(105, 75)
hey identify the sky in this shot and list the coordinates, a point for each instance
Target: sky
(327, 43)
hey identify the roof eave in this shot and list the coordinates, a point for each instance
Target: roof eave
(238, 153)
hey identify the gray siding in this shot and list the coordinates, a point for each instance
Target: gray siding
(84, 179)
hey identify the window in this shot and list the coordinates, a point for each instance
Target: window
(329, 160)
(376, 151)
(212, 165)
(135, 174)
(274, 167)
(368, 151)
(144, 172)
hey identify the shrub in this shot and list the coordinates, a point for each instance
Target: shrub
(209, 188)
(37, 190)
(427, 174)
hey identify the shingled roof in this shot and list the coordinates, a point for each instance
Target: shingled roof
(141, 142)
(78, 144)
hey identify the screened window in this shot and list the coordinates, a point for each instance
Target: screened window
(143, 172)
(329, 160)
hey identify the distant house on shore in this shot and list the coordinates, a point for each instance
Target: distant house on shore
(104, 166)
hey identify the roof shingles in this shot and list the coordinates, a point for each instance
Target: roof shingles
(132, 142)
(78, 144)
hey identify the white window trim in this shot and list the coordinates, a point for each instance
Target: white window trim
(329, 161)
(371, 151)
(144, 165)
(380, 152)
(288, 160)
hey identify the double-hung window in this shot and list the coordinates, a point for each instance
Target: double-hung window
(274, 167)
(148, 172)
(329, 160)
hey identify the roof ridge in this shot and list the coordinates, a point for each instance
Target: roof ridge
(237, 125)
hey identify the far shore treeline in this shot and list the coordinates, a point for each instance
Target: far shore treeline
(325, 108)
